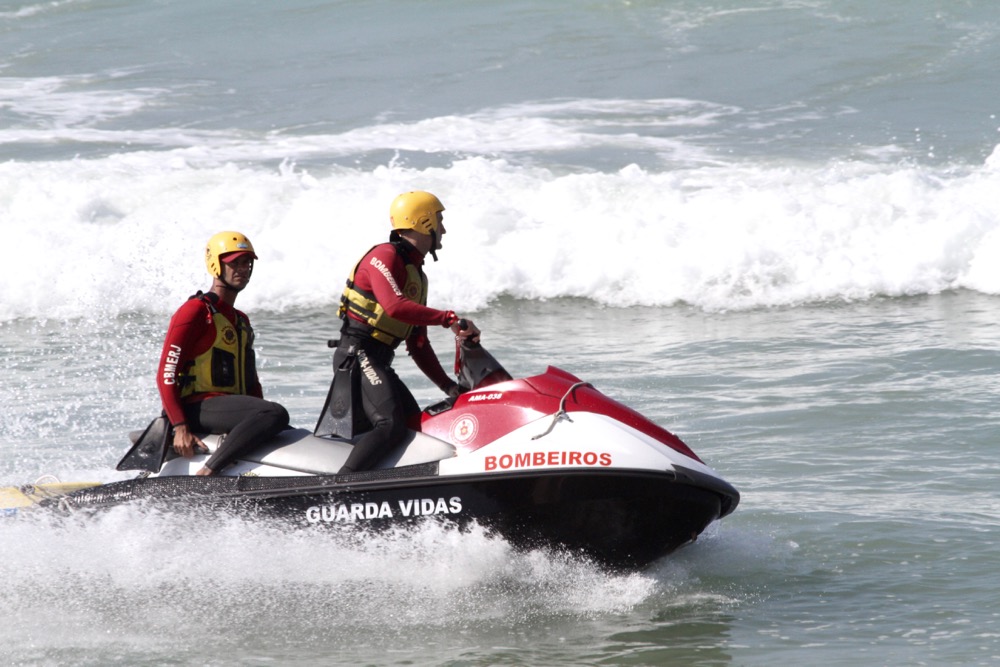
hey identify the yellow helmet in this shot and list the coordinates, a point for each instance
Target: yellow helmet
(416, 210)
(225, 243)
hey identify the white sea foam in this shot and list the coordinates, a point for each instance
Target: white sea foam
(430, 574)
(124, 233)
(59, 110)
(63, 102)
(33, 9)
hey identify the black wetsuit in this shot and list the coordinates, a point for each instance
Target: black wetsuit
(389, 275)
(248, 420)
(386, 401)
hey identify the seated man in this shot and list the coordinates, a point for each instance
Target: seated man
(207, 376)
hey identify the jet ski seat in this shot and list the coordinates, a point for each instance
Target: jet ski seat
(299, 449)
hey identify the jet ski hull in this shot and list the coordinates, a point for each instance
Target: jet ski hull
(621, 519)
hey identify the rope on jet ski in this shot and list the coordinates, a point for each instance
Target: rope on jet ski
(60, 500)
(562, 414)
(47, 478)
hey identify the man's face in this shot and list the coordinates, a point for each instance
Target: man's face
(236, 272)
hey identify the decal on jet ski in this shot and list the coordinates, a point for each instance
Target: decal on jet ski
(464, 429)
(543, 459)
(353, 512)
(428, 506)
(494, 396)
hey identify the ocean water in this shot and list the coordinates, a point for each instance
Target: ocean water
(771, 226)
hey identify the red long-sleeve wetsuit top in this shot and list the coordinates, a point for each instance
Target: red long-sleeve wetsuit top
(191, 333)
(386, 286)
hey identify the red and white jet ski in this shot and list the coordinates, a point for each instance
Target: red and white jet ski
(543, 460)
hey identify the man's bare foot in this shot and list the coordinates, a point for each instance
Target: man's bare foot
(205, 472)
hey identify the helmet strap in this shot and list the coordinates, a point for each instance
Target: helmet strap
(434, 242)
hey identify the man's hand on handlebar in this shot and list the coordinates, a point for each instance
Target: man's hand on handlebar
(466, 329)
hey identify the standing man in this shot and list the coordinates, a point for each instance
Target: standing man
(207, 375)
(384, 304)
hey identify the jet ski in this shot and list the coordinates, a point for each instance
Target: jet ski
(546, 460)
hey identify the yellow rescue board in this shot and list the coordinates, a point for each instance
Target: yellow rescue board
(14, 497)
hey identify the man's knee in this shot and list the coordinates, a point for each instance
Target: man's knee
(281, 413)
(392, 426)
(277, 413)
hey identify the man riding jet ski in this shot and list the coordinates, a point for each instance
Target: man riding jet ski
(383, 305)
(207, 375)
